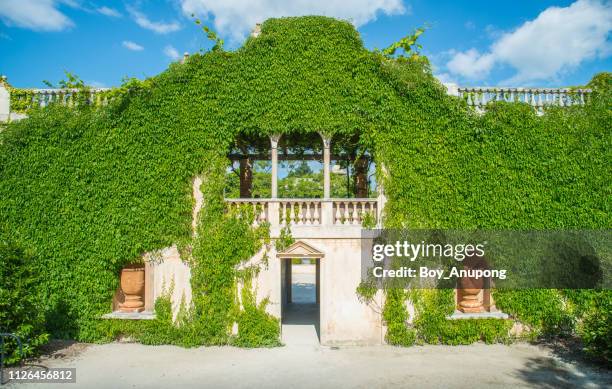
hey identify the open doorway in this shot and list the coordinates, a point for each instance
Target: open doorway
(301, 300)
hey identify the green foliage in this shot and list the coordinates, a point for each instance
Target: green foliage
(411, 49)
(89, 190)
(71, 81)
(211, 35)
(309, 185)
(592, 310)
(21, 99)
(20, 311)
(542, 309)
(161, 330)
(432, 326)
(396, 317)
(256, 327)
(596, 326)
(223, 242)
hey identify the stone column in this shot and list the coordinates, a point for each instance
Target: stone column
(274, 206)
(318, 279)
(326, 166)
(327, 207)
(274, 143)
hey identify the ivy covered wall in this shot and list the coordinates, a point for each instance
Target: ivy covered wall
(88, 190)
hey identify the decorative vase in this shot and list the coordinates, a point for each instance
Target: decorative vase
(470, 301)
(470, 287)
(132, 285)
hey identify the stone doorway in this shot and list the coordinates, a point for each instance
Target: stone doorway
(300, 294)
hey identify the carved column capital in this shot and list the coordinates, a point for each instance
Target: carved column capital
(274, 139)
(326, 140)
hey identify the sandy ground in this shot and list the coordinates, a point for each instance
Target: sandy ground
(303, 363)
(122, 365)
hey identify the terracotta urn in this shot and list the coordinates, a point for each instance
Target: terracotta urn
(469, 291)
(132, 286)
(470, 301)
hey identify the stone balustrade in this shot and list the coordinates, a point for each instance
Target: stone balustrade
(15, 102)
(300, 211)
(476, 97)
(354, 211)
(310, 212)
(30, 98)
(538, 98)
(259, 208)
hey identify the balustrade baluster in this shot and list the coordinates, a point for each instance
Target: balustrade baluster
(308, 220)
(300, 216)
(264, 212)
(255, 213)
(355, 216)
(363, 211)
(531, 100)
(292, 215)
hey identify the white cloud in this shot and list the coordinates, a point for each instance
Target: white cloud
(132, 46)
(237, 17)
(113, 13)
(555, 42)
(471, 64)
(445, 78)
(38, 15)
(171, 52)
(159, 27)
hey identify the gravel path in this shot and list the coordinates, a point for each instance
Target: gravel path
(124, 365)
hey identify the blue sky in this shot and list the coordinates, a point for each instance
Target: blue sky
(518, 43)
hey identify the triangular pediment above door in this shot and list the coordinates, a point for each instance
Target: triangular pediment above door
(300, 249)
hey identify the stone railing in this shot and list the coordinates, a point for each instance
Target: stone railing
(300, 211)
(354, 211)
(310, 212)
(30, 98)
(538, 98)
(14, 107)
(15, 102)
(259, 207)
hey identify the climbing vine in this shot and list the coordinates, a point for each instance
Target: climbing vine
(90, 188)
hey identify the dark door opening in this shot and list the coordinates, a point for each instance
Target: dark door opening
(301, 293)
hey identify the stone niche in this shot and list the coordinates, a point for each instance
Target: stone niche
(473, 298)
(165, 274)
